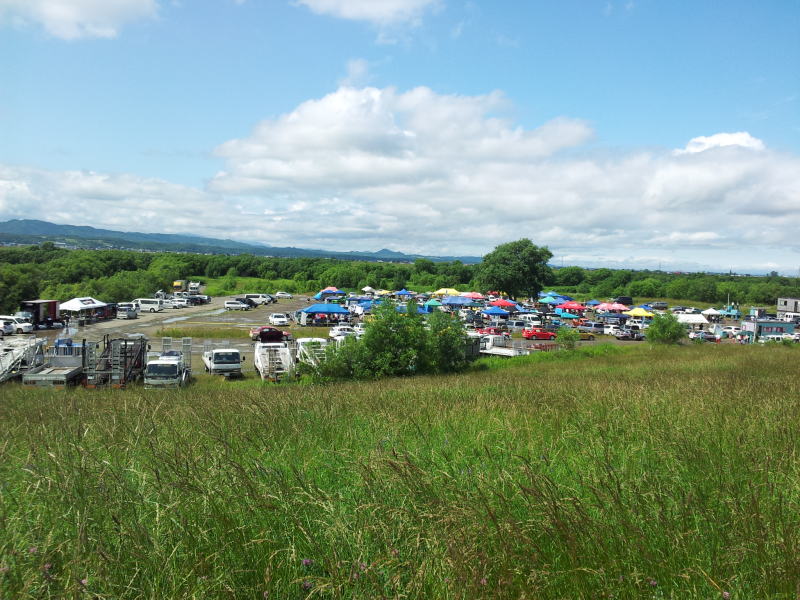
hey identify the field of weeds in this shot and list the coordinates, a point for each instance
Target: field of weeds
(643, 473)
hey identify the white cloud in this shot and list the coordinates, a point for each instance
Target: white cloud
(440, 174)
(741, 139)
(73, 19)
(357, 73)
(378, 12)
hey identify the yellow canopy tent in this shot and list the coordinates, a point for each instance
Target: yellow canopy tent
(446, 292)
(638, 312)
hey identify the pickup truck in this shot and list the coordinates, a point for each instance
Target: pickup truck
(537, 333)
(500, 345)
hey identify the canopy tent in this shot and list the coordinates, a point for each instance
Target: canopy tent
(433, 302)
(639, 312)
(457, 301)
(496, 311)
(502, 302)
(566, 315)
(368, 290)
(473, 295)
(546, 294)
(79, 304)
(402, 308)
(612, 315)
(550, 300)
(332, 289)
(446, 292)
(692, 319)
(404, 292)
(611, 306)
(711, 312)
(593, 303)
(326, 309)
(571, 305)
(567, 298)
(384, 293)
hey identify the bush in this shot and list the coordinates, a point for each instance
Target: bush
(398, 343)
(665, 329)
(568, 337)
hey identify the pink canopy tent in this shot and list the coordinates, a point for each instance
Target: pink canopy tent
(610, 307)
(473, 295)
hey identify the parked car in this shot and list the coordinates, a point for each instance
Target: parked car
(731, 330)
(127, 310)
(491, 330)
(278, 319)
(594, 327)
(283, 295)
(340, 332)
(627, 334)
(245, 300)
(537, 333)
(20, 325)
(6, 328)
(773, 337)
(659, 305)
(360, 329)
(235, 305)
(180, 303)
(626, 300)
(277, 334)
(260, 299)
(516, 325)
(610, 328)
(705, 336)
(586, 336)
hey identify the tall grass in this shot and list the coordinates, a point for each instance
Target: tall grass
(644, 473)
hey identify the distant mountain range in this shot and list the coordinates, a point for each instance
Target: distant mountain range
(29, 231)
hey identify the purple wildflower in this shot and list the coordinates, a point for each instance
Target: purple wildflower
(33, 550)
(395, 551)
(483, 581)
(47, 566)
(652, 583)
(307, 562)
(84, 582)
(4, 569)
(306, 585)
(362, 566)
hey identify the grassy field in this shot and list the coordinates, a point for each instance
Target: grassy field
(633, 473)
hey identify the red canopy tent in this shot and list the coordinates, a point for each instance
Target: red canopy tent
(572, 305)
(502, 302)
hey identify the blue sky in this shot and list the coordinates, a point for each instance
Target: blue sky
(428, 126)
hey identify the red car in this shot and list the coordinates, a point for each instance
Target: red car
(537, 333)
(271, 333)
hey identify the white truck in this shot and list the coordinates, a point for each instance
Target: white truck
(171, 368)
(223, 361)
(501, 345)
(273, 360)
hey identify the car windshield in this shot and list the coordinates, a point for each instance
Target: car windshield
(226, 358)
(163, 370)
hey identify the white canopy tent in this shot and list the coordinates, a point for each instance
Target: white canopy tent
(79, 304)
(692, 320)
(711, 312)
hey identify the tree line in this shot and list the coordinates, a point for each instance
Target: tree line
(46, 271)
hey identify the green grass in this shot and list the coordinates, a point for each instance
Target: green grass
(617, 473)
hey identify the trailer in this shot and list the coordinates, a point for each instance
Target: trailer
(121, 361)
(501, 345)
(171, 368)
(63, 365)
(41, 313)
(310, 351)
(20, 356)
(273, 360)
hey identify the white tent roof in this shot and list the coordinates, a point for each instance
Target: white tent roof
(367, 289)
(692, 319)
(77, 304)
(711, 311)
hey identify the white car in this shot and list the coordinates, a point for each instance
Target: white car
(282, 295)
(278, 319)
(360, 329)
(20, 325)
(235, 305)
(6, 328)
(339, 332)
(180, 303)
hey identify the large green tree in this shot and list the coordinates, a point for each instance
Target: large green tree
(516, 268)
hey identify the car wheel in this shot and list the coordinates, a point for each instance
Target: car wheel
(152, 310)
(19, 331)
(591, 338)
(552, 337)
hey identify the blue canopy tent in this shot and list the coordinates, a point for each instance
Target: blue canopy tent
(546, 294)
(403, 308)
(567, 298)
(457, 301)
(495, 311)
(326, 309)
(593, 303)
(566, 315)
(403, 292)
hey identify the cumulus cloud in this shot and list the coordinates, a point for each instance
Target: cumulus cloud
(73, 19)
(702, 143)
(417, 171)
(378, 12)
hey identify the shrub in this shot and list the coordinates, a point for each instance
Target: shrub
(568, 337)
(665, 329)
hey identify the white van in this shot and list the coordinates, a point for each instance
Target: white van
(531, 319)
(259, 298)
(149, 304)
(20, 325)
